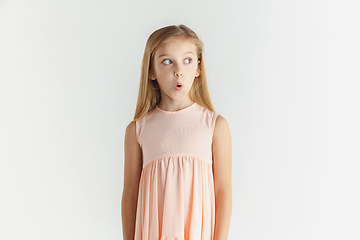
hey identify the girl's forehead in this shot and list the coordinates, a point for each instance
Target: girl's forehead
(175, 46)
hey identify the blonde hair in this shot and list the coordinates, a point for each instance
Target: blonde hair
(149, 91)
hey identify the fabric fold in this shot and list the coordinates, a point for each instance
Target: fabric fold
(176, 200)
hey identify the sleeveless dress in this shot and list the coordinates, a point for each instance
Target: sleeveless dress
(176, 199)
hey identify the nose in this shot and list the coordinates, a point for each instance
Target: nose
(178, 72)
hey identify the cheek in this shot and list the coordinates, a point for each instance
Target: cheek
(164, 70)
(193, 67)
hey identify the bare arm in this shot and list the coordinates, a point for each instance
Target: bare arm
(132, 174)
(222, 178)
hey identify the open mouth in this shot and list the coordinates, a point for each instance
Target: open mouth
(178, 86)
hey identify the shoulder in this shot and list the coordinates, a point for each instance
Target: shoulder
(130, 131)
(221, 122)
(131, 126)
(222, 128)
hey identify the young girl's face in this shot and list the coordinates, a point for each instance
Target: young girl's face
(175, 62)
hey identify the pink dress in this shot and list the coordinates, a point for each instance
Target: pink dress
(176, 198)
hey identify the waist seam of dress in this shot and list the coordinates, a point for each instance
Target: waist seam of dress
(167, 157)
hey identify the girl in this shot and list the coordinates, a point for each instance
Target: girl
(177, 172)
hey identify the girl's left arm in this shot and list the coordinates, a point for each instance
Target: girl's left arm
(221, 148)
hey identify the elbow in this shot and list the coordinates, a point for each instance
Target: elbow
(223, 194)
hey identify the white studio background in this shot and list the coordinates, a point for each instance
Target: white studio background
(285, 74)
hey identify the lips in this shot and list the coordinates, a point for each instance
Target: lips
(178, 86)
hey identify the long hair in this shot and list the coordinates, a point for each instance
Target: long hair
(149, 91)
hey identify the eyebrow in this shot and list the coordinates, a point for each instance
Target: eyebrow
(168, 54)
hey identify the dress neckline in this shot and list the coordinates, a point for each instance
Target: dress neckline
(178, 111)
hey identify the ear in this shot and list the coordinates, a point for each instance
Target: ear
(198, 71)
(151, 74)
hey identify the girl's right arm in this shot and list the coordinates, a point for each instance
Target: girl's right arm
(132, 174)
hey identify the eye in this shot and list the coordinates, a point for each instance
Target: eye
(166, 61)
(188, 60)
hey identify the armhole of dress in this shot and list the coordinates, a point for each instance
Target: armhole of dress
(213, 124)
(137, 126)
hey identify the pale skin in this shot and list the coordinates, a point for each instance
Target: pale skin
(172, 65)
